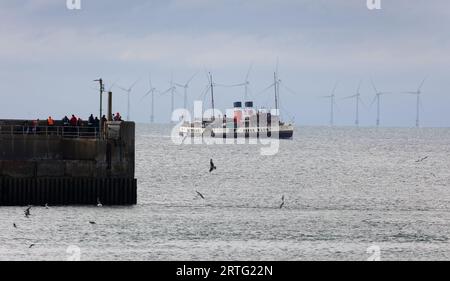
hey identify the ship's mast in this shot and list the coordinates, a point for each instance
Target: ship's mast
(212, 95)
(276, 90)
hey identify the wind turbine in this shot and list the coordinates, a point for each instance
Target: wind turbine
(377, 99)
(358, 99)
(172, 91)
(246, 83)
(128, 91)
(332, 103)
(185, 87)
(152, 93)
(418, 102)
(277, 82)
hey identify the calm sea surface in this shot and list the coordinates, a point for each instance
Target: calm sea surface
(345, 189)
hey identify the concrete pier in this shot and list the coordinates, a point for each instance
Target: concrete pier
(64, 165)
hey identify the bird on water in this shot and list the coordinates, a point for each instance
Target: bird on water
(14, 224)
(212, 167)
(99, 204)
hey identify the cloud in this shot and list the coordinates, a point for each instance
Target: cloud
(319, 39)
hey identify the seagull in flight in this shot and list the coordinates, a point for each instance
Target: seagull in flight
(422, 159)
(201, 195)
(212, 167)
(27, 212)
(282, 202)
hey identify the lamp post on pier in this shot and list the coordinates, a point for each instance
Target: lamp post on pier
(102, 89)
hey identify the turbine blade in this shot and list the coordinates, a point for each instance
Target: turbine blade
(363, 103)
(289, 90)
(122, 88)
(334, 89)
(248, 72)
(134, 84)
(113, 85)
(207, 76)
(373, 101)
(166, 91)
(190, 79)
(421, 85)
(276, 68)
(146, 95)
(349, 97)
(231, 86)
(373, 85)
(359, 86)
(269, 87)
(205, 91)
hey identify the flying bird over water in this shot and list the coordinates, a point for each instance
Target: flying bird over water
(422, 159)
(282, 202)
(212, 167)
(27, 211)
(201, 195)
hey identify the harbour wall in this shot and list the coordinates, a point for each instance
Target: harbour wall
(62, 165)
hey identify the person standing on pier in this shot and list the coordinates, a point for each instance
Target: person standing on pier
(73, 121)
(65, 121)
(50, 121)
(91, 120)
(50, 124)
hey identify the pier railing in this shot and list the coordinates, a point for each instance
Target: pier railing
(63, 131)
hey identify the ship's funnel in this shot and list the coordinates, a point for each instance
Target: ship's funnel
(237, 111)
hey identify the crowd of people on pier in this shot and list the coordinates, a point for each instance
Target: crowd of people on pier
(69, 125)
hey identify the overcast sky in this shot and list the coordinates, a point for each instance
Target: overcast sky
(49, 55)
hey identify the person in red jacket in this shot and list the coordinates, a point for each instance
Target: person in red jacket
(73, 120)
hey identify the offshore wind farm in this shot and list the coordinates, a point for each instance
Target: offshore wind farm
(224, 130)
(369, 104)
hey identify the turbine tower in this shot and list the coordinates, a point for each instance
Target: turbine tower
(128, 92)
(172, 91)
(246, 83)
(358, 100)
(185, 87)
(152, 93)
(418, 101)
(332, 103)
(377, 99)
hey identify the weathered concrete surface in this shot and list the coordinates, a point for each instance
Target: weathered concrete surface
(55, 169)
(26, 156)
